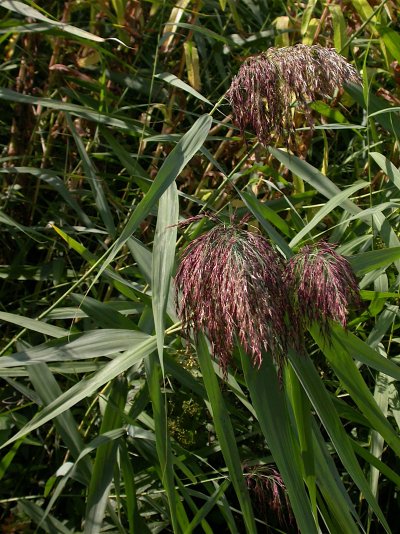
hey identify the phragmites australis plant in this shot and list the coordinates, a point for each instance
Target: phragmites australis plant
(321, 286)
(269, 86)
(229, 286)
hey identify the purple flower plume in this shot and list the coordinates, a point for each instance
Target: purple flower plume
(321, 285)
(267, 85)
(266, 486)
(229, 286)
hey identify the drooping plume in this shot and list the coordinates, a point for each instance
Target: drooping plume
(268, 86)
(322, 287)
(229, 285)
(269, 492)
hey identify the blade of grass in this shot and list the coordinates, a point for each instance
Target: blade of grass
(208, 506)
(179, 519)
(269, 402)
(178, 158)
(104, 464)
(225, 433)
(87, 387)
(93, 179)
(163, 261)
(326, 411)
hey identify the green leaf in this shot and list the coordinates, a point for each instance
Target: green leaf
(178, 158)
(331, 113)
(30, 12)
(49, 524)
(163, 261)
(360, 351)
(312, 176)
(225, 433)
(331, 486)
(134, 127)
(91, 344)
(129, 162)
(48, 390)
(173, 80)
(270, 405)
(85, 388)
(163, 444)
(329, 206)
(256, 208)
(93, 179)
(104, 316)
(377, 105)
(387, 166)
(326, 411)
(51, 178)
(339, 29)
(369, 261)
(33, 324)
(391, 38)
(205, 510)
(351, 378)
(103, 469)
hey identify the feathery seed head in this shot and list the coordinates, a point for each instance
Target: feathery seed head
(267, 85)
(322, 286)
(229, 286)
(266, 485)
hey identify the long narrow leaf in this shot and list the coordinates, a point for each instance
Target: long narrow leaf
(225, 434)
(85, 388)
(163, 261)
(326, 411)
(268, 400)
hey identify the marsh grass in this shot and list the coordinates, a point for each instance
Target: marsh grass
(104, 149)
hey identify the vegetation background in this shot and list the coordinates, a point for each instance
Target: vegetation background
(115, 126)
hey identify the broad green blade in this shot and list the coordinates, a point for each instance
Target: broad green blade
(175, 162)
(378, 464)
(225, 433)
(362, 352)
(173, 80)
(326, 411)
(269, 402)
(377, 442)
(30, 12)
(48, 390)
(34, 324)
(104, 465)
(329, 206)
(94, 180)
(129, 162)
(85, 388)
(351, 378)
(49, 524)
(326, 187)
(103, 315)
(387, 166)
(136, 524)
(206, 509)
(256, 208)
(314, 177)
(163, 444)
(388, 118)
(373, 259)
(133, 127)
(52, 179)
(331, 486)
(91, 344)
(301, 408)
(163, 261)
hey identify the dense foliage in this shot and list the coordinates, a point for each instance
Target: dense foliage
(274, 406)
